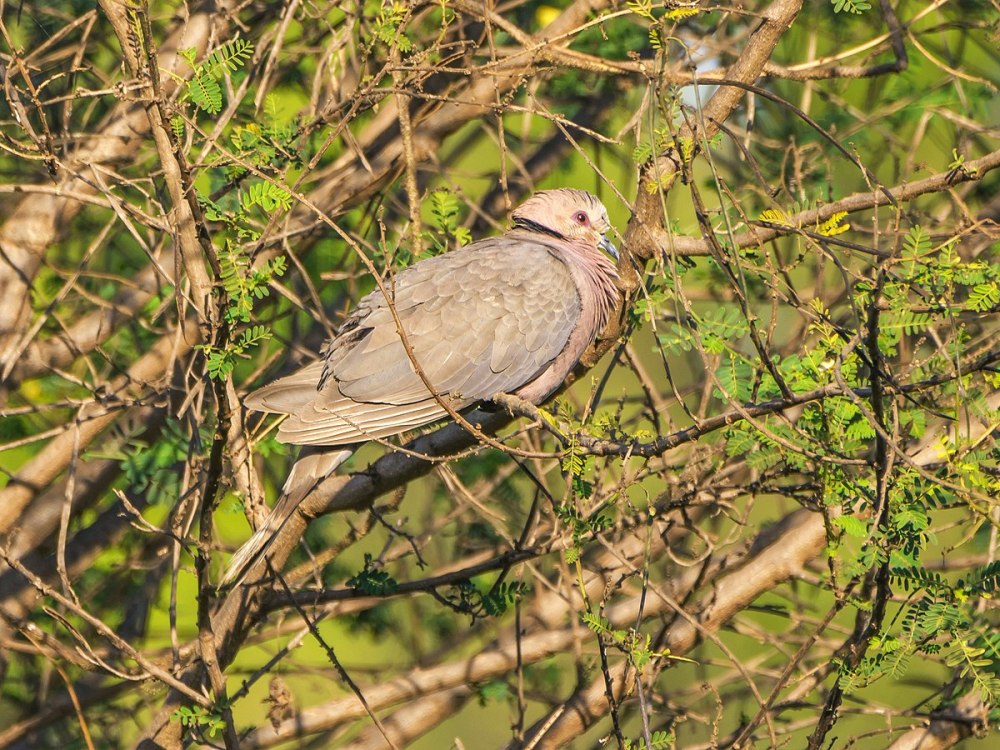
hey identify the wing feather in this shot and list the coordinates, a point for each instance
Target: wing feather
(485, 318)
(289, 394)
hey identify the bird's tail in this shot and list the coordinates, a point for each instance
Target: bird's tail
(312, 467)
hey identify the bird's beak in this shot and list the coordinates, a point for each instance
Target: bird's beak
(608, 246)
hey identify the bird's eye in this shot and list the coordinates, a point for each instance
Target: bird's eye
(581, 218)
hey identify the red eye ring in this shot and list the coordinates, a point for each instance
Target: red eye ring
(581, 218)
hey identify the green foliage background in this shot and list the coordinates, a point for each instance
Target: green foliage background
(896, 612)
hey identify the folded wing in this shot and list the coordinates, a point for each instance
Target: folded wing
(484, 319)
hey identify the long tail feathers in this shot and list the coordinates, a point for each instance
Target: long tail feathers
(312, 468)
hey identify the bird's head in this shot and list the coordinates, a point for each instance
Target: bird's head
(573, 215)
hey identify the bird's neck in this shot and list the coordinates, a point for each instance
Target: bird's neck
(598, 272)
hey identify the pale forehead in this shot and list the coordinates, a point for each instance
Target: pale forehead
(563, 201)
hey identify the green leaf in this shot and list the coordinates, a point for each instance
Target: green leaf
(739, 441)
(205, 92)
(985, 580)
(372, 579)
(917, 578)
(851, 525)
(502, 596)
(268, 196)
(907, 322)
(856, 7)
(916, 243)
(984, 297)
(232, 55)
(204, 88)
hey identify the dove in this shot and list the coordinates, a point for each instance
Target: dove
(511, 314)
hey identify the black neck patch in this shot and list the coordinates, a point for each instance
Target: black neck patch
(534, 226)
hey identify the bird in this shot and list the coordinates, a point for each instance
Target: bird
(510, 314)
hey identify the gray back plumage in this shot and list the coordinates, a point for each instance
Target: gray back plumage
(503, 315)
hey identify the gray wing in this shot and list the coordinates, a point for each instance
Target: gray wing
(484, 319)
